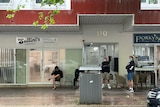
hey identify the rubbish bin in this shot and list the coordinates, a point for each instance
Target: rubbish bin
(90, 88)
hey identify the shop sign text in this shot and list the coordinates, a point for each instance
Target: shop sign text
(146, 38)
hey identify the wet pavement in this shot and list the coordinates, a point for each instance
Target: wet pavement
(68, 97)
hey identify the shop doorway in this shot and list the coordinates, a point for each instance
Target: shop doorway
(94, 53)
(41, 64)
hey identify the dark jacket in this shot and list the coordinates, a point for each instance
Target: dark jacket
(77, 71)
(105, 66)
(57, 72)
(131, 63)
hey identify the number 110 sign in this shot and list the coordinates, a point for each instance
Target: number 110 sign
(102, 33)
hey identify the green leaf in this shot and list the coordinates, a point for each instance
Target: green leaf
(47, 2)
(14, 11)
(45, 26)
(35, 23)
(46, 19)
(42, 4)
(50, 11)
(18, 7)
(41, 15)
(56, 12)
(51, 15)
(61, 2)
(52, 2)
(9, 16)
(52, 21)
(9, 10)
(23, 6)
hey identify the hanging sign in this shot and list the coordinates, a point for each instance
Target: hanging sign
(146, 38)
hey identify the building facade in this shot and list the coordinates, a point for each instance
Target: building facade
(84, 33)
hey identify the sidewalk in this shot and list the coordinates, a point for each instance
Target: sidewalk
(67, 97)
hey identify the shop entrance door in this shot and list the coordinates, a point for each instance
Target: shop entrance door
(41, 64)
(35, 65)
(95, 52)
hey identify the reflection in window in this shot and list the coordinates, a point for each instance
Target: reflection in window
(38, 1)
(144, 53)
(92, 55)
(4, 1)
(143, 1)
(95, 52)
(7, 65)
(153, 1)
(143, 58)
(150, 1)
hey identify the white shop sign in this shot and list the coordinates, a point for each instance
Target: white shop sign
(35, 41)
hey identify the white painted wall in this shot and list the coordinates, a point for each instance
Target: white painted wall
(74, 40)
(125, 50)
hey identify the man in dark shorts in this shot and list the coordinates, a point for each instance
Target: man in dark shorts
(130, 71)
(105, 73)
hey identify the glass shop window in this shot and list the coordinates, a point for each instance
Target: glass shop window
(143, 1)
(6, 66)
(4, 1)
(39, 1)
(144, 54)
(65, 6)
(150, 1)
(150, 4)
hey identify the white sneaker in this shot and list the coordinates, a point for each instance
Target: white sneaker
(109, 87)
(131, 90)
(102, 85)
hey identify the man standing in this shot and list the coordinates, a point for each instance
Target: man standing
(105, 72)
(130, 70)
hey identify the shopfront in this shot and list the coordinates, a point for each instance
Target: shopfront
(33, 60)
(94, 54)
(39, 52)
(147, 48)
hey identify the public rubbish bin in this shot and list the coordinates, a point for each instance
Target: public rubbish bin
(90, 88)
